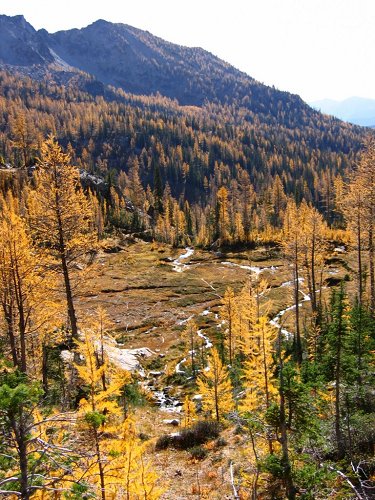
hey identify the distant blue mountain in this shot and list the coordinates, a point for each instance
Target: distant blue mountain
(356, 110)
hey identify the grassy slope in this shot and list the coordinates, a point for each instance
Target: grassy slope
(146, 299)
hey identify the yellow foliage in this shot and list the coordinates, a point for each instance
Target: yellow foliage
(260, 387)
(29, 314)
(189, 412)
(190, 338)
(58, 205)
(131, 476)
(115, 463)
(229, 313)
(100, 390)
(216, 388)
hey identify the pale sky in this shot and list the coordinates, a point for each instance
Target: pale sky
(314, 48)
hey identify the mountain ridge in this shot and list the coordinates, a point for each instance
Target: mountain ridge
(20, 43)
(138, 62)
(240, 132)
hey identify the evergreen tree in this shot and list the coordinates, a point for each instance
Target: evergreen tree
(216, 388)
(60, 217)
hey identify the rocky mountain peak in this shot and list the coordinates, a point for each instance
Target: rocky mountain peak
(21, 44)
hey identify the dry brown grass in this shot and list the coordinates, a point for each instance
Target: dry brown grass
(145, 299)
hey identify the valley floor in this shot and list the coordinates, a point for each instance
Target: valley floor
(150, 292)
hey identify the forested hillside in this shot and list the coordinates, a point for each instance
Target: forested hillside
(141, 63)
(151, 149)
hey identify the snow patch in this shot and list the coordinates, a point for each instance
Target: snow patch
(206, 312)
(127, 359)
(253, 269)
(340, 249)
(276, 321)
(184, 321)
(208, 343)
(178, 265)
(178, 366)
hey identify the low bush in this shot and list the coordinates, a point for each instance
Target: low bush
(143, 437)
(199, 434)
(198, 453)
(163, 442)
(220, 442)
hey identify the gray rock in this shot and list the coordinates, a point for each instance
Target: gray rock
(171, 421)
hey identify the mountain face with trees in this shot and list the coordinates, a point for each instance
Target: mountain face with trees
(212, 173)
(140, 63)
(176, 121)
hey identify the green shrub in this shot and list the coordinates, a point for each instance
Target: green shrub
(95, 419)
(273, 465)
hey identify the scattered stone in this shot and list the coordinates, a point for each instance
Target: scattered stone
(171, 421)
(340, 249)
(67, 356)
(114, 249)
(197, 397)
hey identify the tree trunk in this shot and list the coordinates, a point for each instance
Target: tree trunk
(359, 259)
(230, 340)
(20, 301)
(8, 314)
(45, 369)
(23, 363)
(216, 382)
(64, 265)
(314, 306)
(100, 464)
(265, 373)
(20, 436)
(371, 265)
(69, 298)
(298, 344)
(339, 436)
(288, 480)
(24, 486)
(254, 493)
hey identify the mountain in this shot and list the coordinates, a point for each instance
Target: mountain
(20, 44)
(141, 63)
(138, 62)
(357, 110)
(139, 110)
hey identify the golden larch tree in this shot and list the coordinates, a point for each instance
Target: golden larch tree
(229, 313)
(60, 216)
(223, 223)
(291, 243)
(190, 337)
(29, 314)
(216, 389)
(98, 410)
(189, 412)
